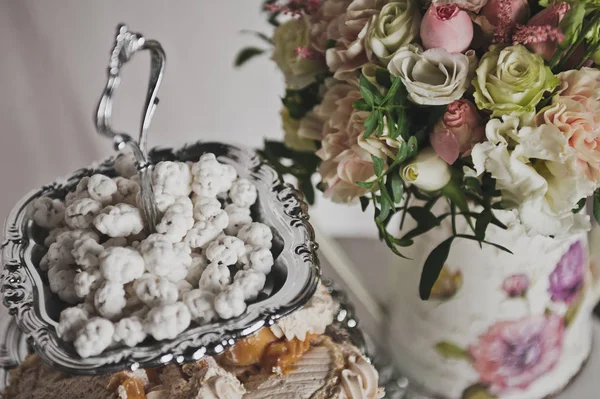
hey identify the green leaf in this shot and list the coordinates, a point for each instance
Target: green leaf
(260, 35)
(423, 216)
(453, 192)
(361, 105)
(370, 124)
(369, 92)
(364, 203)
(380, 124)
(397, 187)
(365, 184)
(413, 147)
(386, 198)
(300, 102)
(396, 83)
(482, 223)
(378, 164)
(579, 205)
(330, 44)
(433, 266)
(450, 350)
(500, 247)
(401, 125)
(246, 54)
(597, 205)
(308, 190)
(382, 77)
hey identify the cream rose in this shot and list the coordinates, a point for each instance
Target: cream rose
(291, 137)
(349, 32)
(299, 71)
(536, 171)
(395, 26)
(432, 77)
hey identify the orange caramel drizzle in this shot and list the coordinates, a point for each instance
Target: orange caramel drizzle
(133, 387)
(268, 351)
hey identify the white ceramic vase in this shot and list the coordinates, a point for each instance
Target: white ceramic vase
(498, 325)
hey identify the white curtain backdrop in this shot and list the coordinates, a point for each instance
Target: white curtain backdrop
(53, 68)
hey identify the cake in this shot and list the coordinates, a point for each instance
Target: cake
(294, 359)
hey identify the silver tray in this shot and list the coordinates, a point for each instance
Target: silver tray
(14, 347)
(290, 285)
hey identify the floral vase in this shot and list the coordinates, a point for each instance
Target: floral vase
(497, 325)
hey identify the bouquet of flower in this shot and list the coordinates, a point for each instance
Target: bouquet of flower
(485, 104)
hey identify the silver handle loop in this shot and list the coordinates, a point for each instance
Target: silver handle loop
(126, 45)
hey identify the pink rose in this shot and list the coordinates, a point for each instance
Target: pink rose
(349, 31)
(519, 11)
(551, 16)
(344, 161)
(446, 27)
(578, 119)
(516, 285)
(513, 354)
(458, 131)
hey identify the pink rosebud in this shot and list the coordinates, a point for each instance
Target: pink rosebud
(446, 27)
(514, 11)
(516, 285)
(458, 131)
(550, 16)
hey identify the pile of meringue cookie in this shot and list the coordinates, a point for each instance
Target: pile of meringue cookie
(206, 261)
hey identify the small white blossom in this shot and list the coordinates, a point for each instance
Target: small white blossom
(201, 305)
(206, 207)
(174, 178)
(109, 300)
(48, 212)
(199, 263)
(102, 188)
(164, 258)
(57, 255)
(216, 278)
(238, 217)
(86, 251)
(61, 283)
(243, 193)
(87, 281)
(155, 291)
(127, 191)
(121, 265)
(129, 331)
(256, 234)
(81, 190)
(260, 260)
(225, 250)
(51, 238)
(126, 165)
(120, 220)
(177, 220)
(167, 321)
(230, 304)
(95, 336)
(71, 321)
(201, 234)
(163, 201)
(212, 177)
(249, 282)
(183, 287)
(81, 213)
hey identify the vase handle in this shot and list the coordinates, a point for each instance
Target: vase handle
(594, 243)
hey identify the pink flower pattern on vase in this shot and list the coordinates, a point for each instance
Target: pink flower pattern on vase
(516, 285)
(513, 354)
(567, 279)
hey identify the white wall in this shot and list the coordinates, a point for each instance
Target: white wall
(52, 70)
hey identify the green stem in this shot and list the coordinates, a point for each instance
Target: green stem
(453, 213)
(584, 30)
(589, 52)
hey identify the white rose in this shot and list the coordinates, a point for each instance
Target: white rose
(299, 71)
(536, 171)
(432, 77)
(427, 171)
(396, 25)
